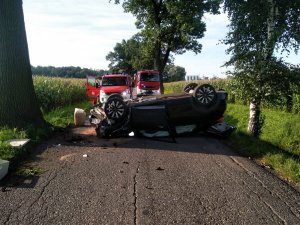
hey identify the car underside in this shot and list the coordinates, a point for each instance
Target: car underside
(199, 108)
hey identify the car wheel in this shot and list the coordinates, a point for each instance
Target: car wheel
(116, 95)
(115, 108)
(189, 87)
(205, 94)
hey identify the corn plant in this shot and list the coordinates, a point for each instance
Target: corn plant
(53, 92)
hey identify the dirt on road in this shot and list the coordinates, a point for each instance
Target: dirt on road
(198, 180)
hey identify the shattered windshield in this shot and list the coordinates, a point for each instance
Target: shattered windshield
(149, 77)
(114, 81)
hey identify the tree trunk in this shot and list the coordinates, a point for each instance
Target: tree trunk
(158, 64)
(18, 102)
(289, 102)
(271, 22)
(232, 99)
(254, 125)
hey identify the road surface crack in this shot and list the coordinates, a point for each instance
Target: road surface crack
(32, 202)
(250, 173)
(135, 194)
(274, 212)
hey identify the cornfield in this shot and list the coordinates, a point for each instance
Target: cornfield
(54, 92)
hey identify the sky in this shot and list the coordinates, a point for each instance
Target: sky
(82, 32)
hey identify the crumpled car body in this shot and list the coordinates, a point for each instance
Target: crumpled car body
(203, 110)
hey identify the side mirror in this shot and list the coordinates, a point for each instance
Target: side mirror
(97, 85)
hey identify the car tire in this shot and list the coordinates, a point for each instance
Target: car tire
(205, 94)
(115, 108)
(191, 86)
(116, 95)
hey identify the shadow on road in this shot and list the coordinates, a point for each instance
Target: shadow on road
(192, 142)
(13, 181)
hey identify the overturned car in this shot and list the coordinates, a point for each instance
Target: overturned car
(198, 108)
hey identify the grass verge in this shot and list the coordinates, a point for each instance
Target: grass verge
(64, 116)
(59, 118)
(278, 146)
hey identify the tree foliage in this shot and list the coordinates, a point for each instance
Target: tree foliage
(170, 26)
(130, 55)
(174, 73)
(257, 30)
(67, 71)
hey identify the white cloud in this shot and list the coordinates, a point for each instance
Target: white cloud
(79, 33)
(82, 32)
(210, 61)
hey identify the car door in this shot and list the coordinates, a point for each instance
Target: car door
(92, 88)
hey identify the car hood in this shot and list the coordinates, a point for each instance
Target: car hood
(114, 89)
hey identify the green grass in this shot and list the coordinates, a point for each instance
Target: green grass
(6, 151)
(30, 171)
(60, 117)
(277, 147)
(63, 117)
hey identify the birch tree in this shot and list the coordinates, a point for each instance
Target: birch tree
(257, 30)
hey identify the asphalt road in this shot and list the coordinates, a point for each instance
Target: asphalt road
(197, 180)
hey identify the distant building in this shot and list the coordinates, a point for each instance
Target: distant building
(192, 77)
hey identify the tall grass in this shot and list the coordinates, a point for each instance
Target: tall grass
(58, 92)
(278, 145)
(280, 129)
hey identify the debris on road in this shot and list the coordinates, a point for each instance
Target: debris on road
(4, 164)
(97, 114)
(18, 143)
(79, 117)
(159, 168)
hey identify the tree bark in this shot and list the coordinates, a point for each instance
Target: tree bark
(289, 102)
(273, 10)
(254, 125)
(158, 64)
(18, 102)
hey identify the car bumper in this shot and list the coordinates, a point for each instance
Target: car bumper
(104, 98)
(142, 92)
